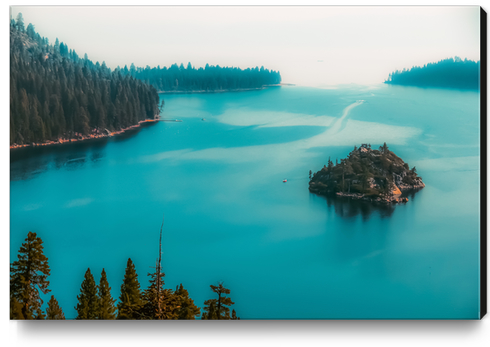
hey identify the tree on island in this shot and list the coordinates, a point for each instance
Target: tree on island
(28, 277)
(217, 308)
(87, 307)
(106, 309)
(371, 174)
(54, 311)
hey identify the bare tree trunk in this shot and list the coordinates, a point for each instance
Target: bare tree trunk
(159, 266)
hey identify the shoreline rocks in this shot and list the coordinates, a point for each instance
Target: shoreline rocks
(92, 136)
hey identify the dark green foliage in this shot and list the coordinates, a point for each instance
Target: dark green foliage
(217, 308)
(209, 78)
(162, 304)
(20, 22)
(187, 310)
(210, 313)
(28, 276)
(233, 315)
(106, 309)
(15, 309)
(130, 301)
(447, 73)
(55, 95)
(39, 314)
(365, 171)
(54, 311)
(87, 307)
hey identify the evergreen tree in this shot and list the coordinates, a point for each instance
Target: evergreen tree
(187, 310)
(54, 311)
(54, 94)
(163, 306)
(217, 308)
(130, 301)
(87, 307)
(15, 309)
(20, 22)
(39, 314)
(28, 276)
(210, 310)
(233, 315)
(106, 310)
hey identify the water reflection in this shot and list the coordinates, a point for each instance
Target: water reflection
(349, 208)
(28, 163)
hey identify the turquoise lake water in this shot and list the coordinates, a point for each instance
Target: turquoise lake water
(283, 252)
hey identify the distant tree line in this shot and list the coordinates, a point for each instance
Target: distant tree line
(28, 277)
(56, 94)
(209, 78)
(447, 73)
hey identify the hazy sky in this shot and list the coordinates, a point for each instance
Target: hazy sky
(308, 45)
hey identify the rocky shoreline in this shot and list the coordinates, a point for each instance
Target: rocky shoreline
(93, 135)
(387, 199)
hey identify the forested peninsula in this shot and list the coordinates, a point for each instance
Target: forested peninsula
(180, 79)
(376, 175)
(56, 96)
(448, 73)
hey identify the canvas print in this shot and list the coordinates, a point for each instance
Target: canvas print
(238, 163)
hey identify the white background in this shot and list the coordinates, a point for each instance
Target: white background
(233, 333)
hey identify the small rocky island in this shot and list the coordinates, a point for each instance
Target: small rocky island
(376, 175)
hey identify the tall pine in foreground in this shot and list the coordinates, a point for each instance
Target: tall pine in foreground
(218, 308)
(28, 276)
(87, 307)
(130, 301)
(106, 309)
(54, 311)
(160, 303)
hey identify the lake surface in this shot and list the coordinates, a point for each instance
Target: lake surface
(282, 251)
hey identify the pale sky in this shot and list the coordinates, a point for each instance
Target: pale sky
(309, 45)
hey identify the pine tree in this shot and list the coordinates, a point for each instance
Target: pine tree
(54, 311)
(28, 276)
(187, 310)
(159, 304)
(20, 22)
(217, 308)
(233, 315)
(87, 307)
(15, 309)
(39, 314)
(210, 313)
(106, 310)
(130, 301)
